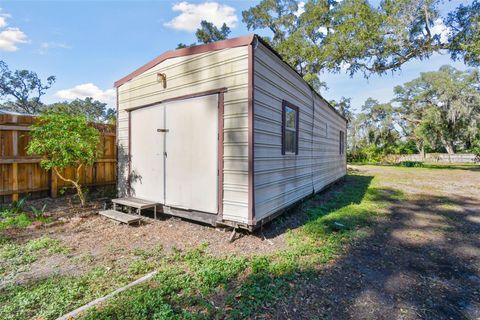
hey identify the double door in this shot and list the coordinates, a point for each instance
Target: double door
(174, 150)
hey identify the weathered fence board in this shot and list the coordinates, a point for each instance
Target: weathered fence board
(21, 174)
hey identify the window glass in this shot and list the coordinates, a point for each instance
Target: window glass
(290, 118)
(289, 129)
(342, 142)
(290, 142)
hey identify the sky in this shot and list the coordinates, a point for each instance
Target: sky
(88, 45)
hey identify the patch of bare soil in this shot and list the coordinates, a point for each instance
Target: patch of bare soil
(94, 240)
(423, 262)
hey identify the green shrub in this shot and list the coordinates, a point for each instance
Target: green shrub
(411, 164)
(20, 221)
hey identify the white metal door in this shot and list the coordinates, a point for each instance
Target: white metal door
(147, 153)
(191, 154)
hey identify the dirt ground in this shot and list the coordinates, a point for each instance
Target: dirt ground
(421, 262)
(94, 240)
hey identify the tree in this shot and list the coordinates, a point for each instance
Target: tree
(379, 124)
(65, 141)
(208, 33)
(25, 87)
(442, 107)
(94, 110)
(344, 107)
(355, 36)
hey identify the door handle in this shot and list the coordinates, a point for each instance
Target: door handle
(162, 130)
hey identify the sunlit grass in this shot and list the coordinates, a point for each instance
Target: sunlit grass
(196, 285)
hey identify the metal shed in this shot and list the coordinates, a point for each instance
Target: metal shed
(225, 133)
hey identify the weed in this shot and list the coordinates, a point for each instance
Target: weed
(50, 298)
(411, 164)
(140, 267)
(18, 220)
(52, 245)
(187, 282)
(38, 213)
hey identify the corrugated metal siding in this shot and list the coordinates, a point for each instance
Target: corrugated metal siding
(281, 180)
(328, 164)
(196, 73)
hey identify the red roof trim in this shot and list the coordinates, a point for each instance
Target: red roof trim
(224, 44)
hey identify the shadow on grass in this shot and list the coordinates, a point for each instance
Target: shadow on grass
(356, 251)
(406, 267)
(349, 190)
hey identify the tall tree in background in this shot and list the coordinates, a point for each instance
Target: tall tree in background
(208, 33)
(379, 124)
(25, 87)
(344, 106)
(93, 110)
(443, 106)
(355, 36)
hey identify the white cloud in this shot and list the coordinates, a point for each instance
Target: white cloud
(45, 46)
(10, 38)
(3, 21)
(440, 29)
(192, 14)
(86, 90)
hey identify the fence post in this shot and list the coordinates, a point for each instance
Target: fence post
(53, 184)
(14, 164)
(15, 181)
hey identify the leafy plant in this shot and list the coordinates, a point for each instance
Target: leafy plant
(16, 207)
(65, 141)
(39, 213)
(476, 152)
(16, 220)
(372, 37)
(411, 164)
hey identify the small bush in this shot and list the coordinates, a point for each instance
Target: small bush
(20, 221)
(411, 164)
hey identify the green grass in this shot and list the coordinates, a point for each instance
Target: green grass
(197, 285)
(14, 217)
(18, 220)
(189, 286)
(49, 299)
(16, 257)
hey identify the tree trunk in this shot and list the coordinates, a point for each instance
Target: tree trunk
(77, 186)
(80, 194)
(421, 150)
(449, 147)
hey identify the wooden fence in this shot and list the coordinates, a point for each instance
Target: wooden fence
(442, 158)
(21, 174)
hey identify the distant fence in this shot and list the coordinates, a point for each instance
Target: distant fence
(21, 174)
(434, 158)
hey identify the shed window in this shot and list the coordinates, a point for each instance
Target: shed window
(289, 129)
(342, 142)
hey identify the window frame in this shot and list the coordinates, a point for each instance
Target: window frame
(285, 105)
